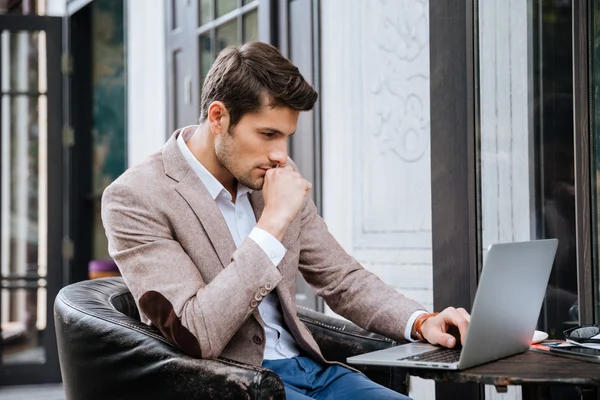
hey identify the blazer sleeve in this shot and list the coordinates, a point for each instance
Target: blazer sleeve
(198, 317)
(348, 288)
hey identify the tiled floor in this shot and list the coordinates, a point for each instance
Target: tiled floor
(33, 392)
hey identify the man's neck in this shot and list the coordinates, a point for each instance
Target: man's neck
(202, 146)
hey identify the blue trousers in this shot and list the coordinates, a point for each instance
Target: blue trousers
(305, 379)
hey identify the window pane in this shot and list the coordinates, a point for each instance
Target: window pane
(23, 56)
(206, 56)
(526, 139)
(251, 26)
(225, 6)
(23, 236)
(175, 13)
(22, 334)
(204, 15)
(109, 145)
(227, 35)
(247, 2)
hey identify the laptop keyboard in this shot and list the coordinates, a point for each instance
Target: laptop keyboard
(437, 355)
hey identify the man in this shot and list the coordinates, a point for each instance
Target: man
(211, 232)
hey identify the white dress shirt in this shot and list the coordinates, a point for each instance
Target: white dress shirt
(241, 222)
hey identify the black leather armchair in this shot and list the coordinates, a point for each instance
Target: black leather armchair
(107, 353)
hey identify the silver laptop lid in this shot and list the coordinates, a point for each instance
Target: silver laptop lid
(508, 301)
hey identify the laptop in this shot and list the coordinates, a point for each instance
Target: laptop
(505, 312)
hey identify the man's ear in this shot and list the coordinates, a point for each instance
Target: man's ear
(218, 117)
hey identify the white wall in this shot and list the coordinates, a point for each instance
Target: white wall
(375, 115)
(146, 78)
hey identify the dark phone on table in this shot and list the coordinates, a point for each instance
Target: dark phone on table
(578, 350)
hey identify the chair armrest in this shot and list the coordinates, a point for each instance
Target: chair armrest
(107, 355)
(339, 339)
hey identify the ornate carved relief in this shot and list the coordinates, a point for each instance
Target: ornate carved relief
(392, 152)
(403, 120)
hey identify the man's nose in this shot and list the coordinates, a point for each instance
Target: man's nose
(278, 156)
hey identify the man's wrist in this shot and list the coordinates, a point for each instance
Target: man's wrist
(416, 332)
(269, 244)
(408, 329)
(273, 225)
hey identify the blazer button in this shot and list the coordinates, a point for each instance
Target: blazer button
(263, 292)
(257, 297)
(257, 339)
(268, 286)
(253, 303)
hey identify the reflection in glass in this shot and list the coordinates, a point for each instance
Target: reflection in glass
(109, 117)
(225, 6)
(251, 26)
(595, 81)
(174, 16)
(206, 55)
(204, 15)
(23, 238)
(227, 35)
(526, 139)
(22, 334)
(22, 58)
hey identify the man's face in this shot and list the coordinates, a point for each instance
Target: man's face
(257, 143)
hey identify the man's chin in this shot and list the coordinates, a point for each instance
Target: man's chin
(258, 185)
(254, 185)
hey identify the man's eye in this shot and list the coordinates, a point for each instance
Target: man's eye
(269, 134)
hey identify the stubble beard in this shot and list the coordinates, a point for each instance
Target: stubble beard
(223, 153)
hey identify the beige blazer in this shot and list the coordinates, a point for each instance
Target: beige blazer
(176, 254)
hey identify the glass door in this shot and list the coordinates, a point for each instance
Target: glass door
(526, 138)
(30, 196)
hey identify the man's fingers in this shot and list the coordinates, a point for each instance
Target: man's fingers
(458, 318)
(443, 339)
(464, 313)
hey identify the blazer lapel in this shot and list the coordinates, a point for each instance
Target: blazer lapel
(209, 215)
(257, 202)
(191, 188)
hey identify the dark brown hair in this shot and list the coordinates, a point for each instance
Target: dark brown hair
(256, 74)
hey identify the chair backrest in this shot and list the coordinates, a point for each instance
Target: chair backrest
(125, 304)
(105, 351)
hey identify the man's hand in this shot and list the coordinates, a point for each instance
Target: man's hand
(284, 192)
(435, 329)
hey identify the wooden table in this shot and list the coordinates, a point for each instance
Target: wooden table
(535, 372)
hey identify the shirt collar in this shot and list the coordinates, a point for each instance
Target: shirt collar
(214, 187)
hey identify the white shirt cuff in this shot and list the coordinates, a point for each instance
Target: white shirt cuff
(410, 323)
(270, 245)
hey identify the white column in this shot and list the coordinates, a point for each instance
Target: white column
(146, 78)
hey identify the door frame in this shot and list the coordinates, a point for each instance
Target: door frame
(454, 185)
(454, 165)
(49, 372)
